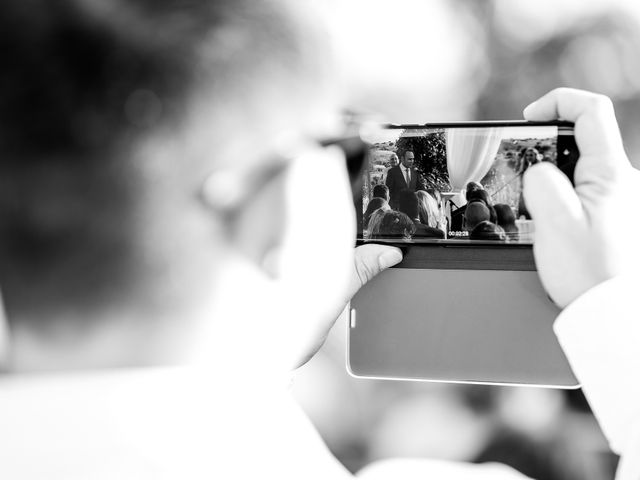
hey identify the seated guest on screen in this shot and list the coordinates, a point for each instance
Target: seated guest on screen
(381, 191)
(507, 220)
(409, 204)
(395, 225)
(469, 193)
(475, 213)
(472, 187)
(435, 193)
(488, 231)
(479, 196)
(483, 196)
(374, 204)
(373, 226)
(430, 214)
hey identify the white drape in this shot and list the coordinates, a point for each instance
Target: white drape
(471, 153)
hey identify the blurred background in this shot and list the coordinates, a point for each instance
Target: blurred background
(447, 60)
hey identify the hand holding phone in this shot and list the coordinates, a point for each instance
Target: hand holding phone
(368, 261)
(587, 235)
(465, 304)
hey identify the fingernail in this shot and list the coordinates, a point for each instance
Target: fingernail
(389, 258)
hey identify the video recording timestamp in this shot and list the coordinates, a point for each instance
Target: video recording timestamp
(457, 183)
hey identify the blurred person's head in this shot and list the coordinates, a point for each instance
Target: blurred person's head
(395, 225)
(408, 158)
(487, 230)
(475, 213)
(408, 204)
(381, 191)
(393, 160)
(125, 154)
(374, 204)
(505, 217)
(428, 207)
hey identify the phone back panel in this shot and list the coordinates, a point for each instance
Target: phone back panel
(487, 326)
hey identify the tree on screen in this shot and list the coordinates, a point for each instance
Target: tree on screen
(430, 158)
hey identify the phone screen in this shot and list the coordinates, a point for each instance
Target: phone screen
(459, 184)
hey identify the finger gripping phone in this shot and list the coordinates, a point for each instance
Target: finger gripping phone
(465, 304)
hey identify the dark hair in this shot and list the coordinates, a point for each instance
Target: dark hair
(380, 191)
(472, 187)
(395, 225)
(80, 79)
(487, 231)
(479, 195)
(484, 197)
(475, 213)
(408, 204)
(505, 217)
(374, 204)
(82, 84)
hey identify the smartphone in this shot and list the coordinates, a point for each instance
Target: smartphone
(465, 304)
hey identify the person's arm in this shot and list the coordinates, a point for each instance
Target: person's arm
(600, 333)
(589, 265)
(368, 261)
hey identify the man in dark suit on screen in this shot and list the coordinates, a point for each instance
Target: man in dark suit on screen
(402, 177)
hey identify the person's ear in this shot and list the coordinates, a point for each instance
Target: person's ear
(251, 211)
(259, 227)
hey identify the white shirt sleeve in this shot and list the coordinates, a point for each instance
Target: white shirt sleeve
(600, 334)
(423, 468)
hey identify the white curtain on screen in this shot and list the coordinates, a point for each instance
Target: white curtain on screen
(470, 153)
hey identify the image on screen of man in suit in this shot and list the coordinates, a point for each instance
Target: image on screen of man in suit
(402, 177)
